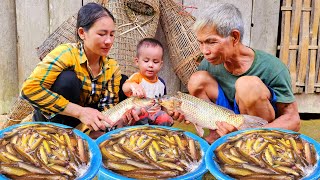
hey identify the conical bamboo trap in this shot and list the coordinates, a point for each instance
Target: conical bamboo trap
(183, 47)
(132, 27)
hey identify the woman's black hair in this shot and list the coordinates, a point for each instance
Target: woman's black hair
(88, 15)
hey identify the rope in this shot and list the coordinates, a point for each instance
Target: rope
(183, 10)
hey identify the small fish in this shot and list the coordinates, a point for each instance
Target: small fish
(255, 157)
(142, 156)
(205, 115)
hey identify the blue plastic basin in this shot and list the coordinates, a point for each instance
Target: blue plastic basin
(214, 167)
(194, 175)
(95, 159)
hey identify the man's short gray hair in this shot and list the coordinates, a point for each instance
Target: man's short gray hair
(223, 17)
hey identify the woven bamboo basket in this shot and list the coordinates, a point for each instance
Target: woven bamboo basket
(184, 50)
(132, 27)
(65, 33)
(20, 112)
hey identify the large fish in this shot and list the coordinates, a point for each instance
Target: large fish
(205, 115)
(116, 112)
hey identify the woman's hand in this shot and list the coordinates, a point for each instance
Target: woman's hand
(92, 118)
(88, 116)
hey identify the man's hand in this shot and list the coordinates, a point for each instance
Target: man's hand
(223, 128)
(178, 116)
(131, 116)
(213, 135)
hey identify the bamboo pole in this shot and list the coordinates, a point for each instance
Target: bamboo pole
(304, 43)
(294, 42)
(313, 53)
(285, 37)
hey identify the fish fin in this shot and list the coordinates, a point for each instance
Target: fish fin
(252, 122)
(200, 130)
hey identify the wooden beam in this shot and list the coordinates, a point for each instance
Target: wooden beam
(32, 29)
(308, 103)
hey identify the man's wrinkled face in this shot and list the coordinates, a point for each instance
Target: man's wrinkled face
(214, 47)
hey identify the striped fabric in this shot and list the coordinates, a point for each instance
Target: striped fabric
(103, 90)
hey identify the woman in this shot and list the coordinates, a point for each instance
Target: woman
(75, 81)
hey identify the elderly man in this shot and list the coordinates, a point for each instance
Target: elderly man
(245, 80)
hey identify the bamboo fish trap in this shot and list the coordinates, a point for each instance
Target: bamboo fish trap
(183, 47)
(133, 25)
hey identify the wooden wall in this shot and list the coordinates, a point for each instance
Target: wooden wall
(26, 24)
(299, 48)
(8, 55)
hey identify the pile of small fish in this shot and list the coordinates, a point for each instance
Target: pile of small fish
(36, 151)
(150, 153)
(266, 154)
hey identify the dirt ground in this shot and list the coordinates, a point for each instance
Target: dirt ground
(310, 125)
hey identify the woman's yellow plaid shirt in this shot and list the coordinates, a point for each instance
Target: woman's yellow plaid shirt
(103, 89)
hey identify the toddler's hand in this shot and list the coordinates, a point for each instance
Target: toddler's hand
(137, 90)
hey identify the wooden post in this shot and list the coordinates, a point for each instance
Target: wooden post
(245, 9)
(8, 54)
(87, 1)
(32, 29)
(61, 10)
(264, 30)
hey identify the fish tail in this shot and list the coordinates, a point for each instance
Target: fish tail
(252, 122)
